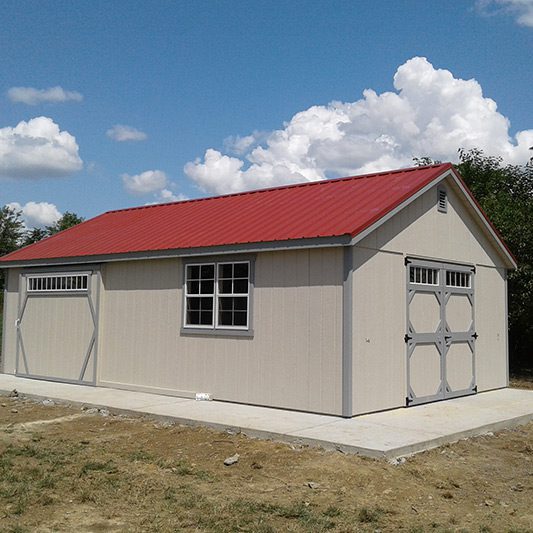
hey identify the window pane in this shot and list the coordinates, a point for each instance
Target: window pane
(193, 287)
(240, 286)
(240, 304)
(225, 318)
(239, 318)
(207, 286)
(193, 318)
(206, 304)
(225, 270)
(240, 270)
(199, 311)
(206, 318)
(193, 304)
(208, 271)
(225, 286)
(193, 272)
(225, 304)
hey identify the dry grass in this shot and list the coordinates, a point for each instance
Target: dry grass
(96, 473)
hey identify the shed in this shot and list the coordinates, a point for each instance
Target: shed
(344, 296)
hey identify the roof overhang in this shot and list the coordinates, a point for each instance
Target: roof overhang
(293, 244)
(482, 218)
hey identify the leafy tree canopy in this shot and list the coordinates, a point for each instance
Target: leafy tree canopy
(66, 221)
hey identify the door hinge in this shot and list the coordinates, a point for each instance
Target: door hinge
(475, 389)
(475, 335)
(407, 338)
(408, 401)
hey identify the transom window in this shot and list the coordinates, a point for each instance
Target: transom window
(423, 275)
(457, 279)
(217, 295)
(71, 282)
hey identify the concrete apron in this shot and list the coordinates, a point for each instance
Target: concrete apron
(388, 434)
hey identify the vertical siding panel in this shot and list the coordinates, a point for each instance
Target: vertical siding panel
(285, 364)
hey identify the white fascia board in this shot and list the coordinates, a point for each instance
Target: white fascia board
(450, 173)
(486, 225)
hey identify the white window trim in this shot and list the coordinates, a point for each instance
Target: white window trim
(232, 295)
(82, 290)
(424, 283)
(199, 295)
(468, 277)
(215, 326)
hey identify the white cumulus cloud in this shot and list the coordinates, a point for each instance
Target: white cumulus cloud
(521, 9)
(166, 195)
(37, 149)
(146, 182)
(152, 182)
(430, 113)
(32, 96)
(37, 214)
(122, 133)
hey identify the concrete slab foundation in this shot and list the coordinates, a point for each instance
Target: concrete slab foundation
(387, 434)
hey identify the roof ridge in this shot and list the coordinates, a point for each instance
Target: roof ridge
(325, 181)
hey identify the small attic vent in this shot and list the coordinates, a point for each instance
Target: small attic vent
(442, 202)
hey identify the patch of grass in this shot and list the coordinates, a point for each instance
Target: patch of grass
(332, 512)
(16, 529)
(141, 455)
(47, 482)
(108, 467)
(299, 511)
(367, 515)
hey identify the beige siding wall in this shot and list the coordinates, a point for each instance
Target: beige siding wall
(292, 361)
(10, 332)
(379, 355)
(491, 363)
(379, 375)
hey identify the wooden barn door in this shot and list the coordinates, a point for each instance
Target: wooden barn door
(440, 333)
(56, 327)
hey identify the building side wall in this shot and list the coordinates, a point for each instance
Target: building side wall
(379, 322)
(293, 359)
(379, 364)
(9, 337)
(491, 345)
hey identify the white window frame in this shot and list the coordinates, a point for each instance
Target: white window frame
(453, 275)
(423, 268)
(57, 276)
(232, 295)
(215, 326)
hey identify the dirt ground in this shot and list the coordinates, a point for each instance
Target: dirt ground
(70, 469)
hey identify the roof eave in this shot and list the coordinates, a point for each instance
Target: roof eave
(270, 246)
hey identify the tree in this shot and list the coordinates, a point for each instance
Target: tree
(66, 221)
(11, 229)
(505, 193)
(34, 235)
(11, 232)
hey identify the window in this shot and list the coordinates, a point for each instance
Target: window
(423, 275)
(457, 279)
(217, 295)
(71, 282)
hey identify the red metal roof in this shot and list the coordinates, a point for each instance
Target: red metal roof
(328, 208)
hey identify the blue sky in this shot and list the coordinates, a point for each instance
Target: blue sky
(224, 96)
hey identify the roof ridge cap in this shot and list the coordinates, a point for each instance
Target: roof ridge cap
(325, 181)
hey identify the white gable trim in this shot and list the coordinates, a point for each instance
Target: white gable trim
(450, 173)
